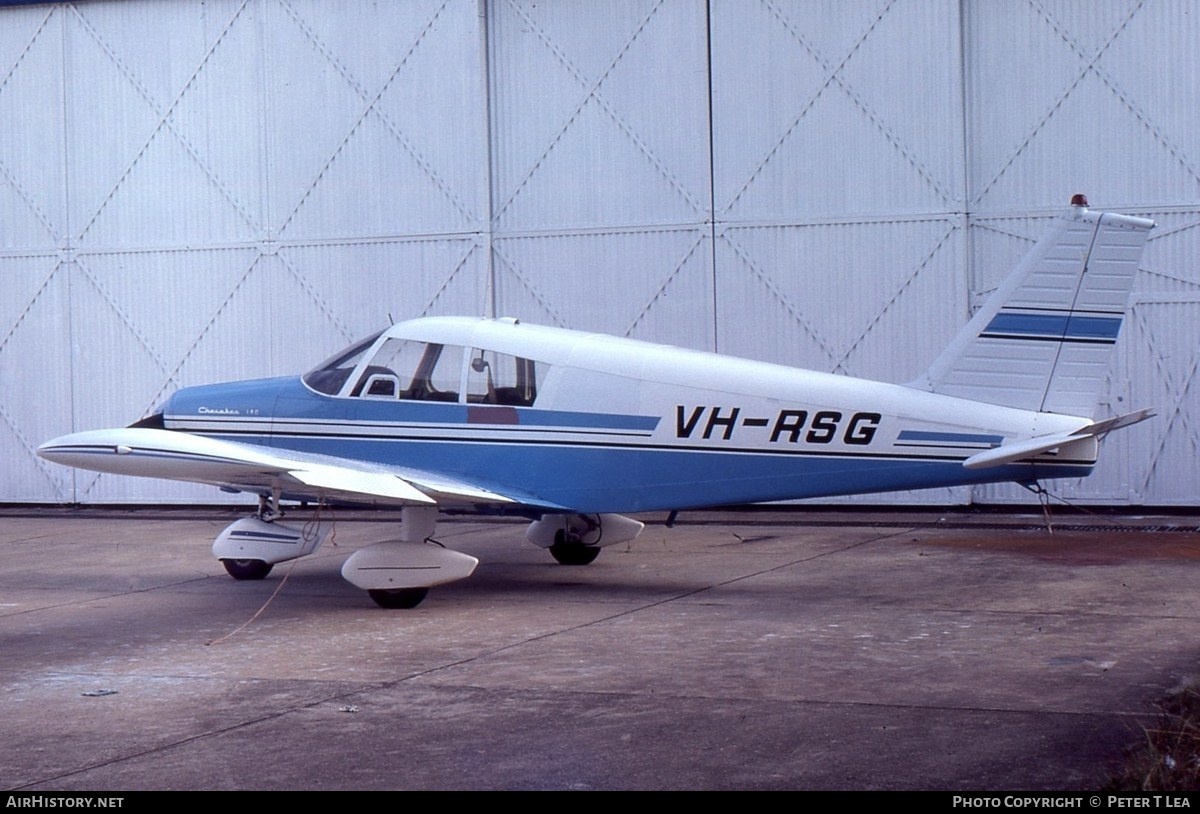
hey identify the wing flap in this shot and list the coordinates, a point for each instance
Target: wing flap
(343, 482)
(444, 488)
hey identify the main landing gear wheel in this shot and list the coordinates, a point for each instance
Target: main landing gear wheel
(247, 569)
(398, 598)
(574, 553)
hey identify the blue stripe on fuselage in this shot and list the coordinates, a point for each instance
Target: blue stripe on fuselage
(950, 437)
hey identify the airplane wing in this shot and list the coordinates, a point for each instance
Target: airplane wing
(251, 468)
(1029, 447)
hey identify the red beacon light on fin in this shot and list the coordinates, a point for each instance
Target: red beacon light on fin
(1079, 199)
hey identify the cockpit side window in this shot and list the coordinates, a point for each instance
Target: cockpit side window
(395, 358)
(439, 374)
(410, 369)
(498, 378)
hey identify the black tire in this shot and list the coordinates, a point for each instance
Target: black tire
(247, 569)
(574, 553)
(398, 598)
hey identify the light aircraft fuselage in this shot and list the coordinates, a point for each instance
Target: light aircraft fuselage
(617, 425)
(573, 428)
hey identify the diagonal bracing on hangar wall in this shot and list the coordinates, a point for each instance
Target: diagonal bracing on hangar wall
(193, 192)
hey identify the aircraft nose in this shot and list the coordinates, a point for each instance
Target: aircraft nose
(50, 449)
(82, 448)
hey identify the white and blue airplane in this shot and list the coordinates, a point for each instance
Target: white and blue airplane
(575, 428)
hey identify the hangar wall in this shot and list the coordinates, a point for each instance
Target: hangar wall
(196, 192)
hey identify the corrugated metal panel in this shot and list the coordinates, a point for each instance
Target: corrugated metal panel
(391, 280)
(149, 164)
(31, 167)
(141, 323)
(35, 374)
(810, 120)
(842, 297)
(35, 361)
(1166, 465)
(650, 284)
(1098, 97)
(376, 118)
(601, 114)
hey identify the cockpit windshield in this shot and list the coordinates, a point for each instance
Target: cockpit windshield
(330, 376)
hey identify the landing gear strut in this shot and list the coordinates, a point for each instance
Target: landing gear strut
(268, 507)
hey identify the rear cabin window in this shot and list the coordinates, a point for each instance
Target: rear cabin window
(497, 378)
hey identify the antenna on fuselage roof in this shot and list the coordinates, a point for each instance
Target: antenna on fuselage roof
(391, 319)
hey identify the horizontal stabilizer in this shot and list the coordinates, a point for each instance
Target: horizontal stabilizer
(1020, 450)
(1116, 423)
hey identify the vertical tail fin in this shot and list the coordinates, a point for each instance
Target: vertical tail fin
(1044, 339)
